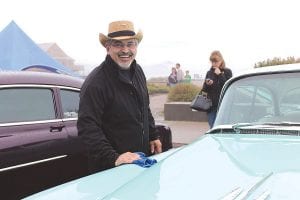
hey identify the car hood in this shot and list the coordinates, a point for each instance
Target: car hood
(216, 166)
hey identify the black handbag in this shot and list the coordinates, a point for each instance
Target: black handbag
(201, 103)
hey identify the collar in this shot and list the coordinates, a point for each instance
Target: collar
(115, 68)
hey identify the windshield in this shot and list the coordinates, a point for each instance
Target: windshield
(261, 98)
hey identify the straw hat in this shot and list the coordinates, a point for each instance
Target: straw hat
(120, 30)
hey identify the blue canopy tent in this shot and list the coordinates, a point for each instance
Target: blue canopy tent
(19, 52)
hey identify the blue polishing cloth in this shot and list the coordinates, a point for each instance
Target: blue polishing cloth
(144, 161)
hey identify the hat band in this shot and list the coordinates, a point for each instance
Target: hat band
(121, 33)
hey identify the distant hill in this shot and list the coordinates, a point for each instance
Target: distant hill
(161, 69)
(157, 70)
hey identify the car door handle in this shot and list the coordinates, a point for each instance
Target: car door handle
(56, 128)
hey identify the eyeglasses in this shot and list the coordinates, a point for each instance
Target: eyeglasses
(121, 45)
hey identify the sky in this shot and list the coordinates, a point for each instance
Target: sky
(175, 31)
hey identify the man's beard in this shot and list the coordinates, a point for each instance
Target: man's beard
(124, 65)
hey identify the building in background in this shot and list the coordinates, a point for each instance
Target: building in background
(53, 50)
(19, 52)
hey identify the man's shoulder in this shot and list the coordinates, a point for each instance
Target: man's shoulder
(139, 70)
(95, 77)
(95, 72)
(138, 67)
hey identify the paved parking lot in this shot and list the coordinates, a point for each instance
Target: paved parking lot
(183, 132)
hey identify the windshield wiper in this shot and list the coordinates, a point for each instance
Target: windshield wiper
(266, 128)
(282, 123)
(236, 127)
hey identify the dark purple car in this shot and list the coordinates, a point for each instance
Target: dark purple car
(39, 147)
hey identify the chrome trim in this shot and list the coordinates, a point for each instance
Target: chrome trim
(32, 163)
(70, 119)
(68, 88)
(245, 194)
(37, 122)
(233, 194)
(39, 86)
(265, 195)
(240, 194)
(30, 122)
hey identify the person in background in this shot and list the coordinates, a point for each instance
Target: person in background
(215, 78)
(180, 74)
(187, 78)
(172, 79)
(114, 119)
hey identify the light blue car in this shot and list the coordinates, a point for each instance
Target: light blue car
(252, 152)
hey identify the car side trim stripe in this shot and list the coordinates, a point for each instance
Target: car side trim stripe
(30, 122)
(32, 163)
(37, 122)
(38, 86)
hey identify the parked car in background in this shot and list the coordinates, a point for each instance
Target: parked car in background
(39, 147)
(39, 144)
(252, 152)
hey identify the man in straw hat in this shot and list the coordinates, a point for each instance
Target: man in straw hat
(114, 119)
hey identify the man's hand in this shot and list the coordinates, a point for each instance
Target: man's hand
(126, 158)
(155, 146)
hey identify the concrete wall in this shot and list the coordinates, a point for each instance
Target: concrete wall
(181, 111)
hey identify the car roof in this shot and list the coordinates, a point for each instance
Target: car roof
(264, 70)
(45, 78)
(271, 69)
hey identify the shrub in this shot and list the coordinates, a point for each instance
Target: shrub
(277, 61)
(183, 92)
(158, 79)
(157, 88)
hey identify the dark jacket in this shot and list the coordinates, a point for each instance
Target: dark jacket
(114, 114)
(172, 78)
(213, 91)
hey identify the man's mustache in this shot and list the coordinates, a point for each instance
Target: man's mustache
(125, 54)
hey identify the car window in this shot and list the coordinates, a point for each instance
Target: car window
(290, 101)
(261, 98)
(249, 103)
(70, 103)
(26, 104)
